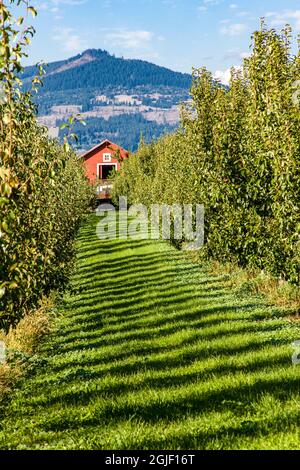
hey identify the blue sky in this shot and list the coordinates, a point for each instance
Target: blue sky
(179, 34)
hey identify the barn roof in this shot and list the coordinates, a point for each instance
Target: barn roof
(104, 142)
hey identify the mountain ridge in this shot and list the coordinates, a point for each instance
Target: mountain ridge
(115, 71)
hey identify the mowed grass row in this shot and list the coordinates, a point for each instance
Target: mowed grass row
(152, 351)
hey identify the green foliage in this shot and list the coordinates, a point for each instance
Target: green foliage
(43, 189)
(238, 154)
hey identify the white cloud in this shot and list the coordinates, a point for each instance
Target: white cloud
(170, 3)
(43, 6)
(233, 29)
(211, 2)
(224, 75)
(246, 14)
(245, 55)
(70, 40)
(235, 54)
(208, 3)
(53, 5)
(279, 19)
(233, 6)
(130, 39)
(69, 2)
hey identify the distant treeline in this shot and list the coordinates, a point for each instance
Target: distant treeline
(126, 130)
(86, 97)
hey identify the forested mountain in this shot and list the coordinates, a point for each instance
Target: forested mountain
(98, 69)
(118, 97)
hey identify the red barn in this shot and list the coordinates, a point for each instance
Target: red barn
(100, 161)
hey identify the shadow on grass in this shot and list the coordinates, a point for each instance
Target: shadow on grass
(137, 317)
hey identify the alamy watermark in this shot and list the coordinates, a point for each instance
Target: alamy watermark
(160, 221)
(2, 94)
(296, 94)
(2, 352)
(296, 355)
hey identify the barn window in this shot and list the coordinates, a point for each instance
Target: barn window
(107, 157)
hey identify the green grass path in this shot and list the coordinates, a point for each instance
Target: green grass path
(153, 352)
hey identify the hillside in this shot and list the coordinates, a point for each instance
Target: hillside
(98, 69)
(107, 90)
